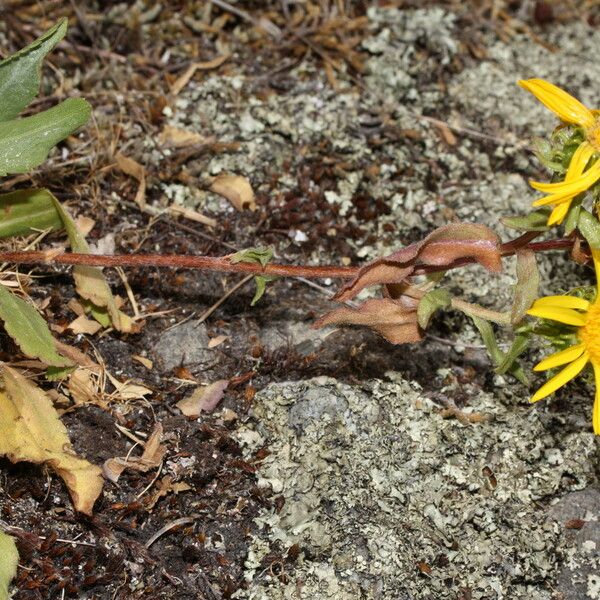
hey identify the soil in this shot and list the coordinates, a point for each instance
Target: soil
(332, 467)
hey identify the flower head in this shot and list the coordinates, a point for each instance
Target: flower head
(577, 179)
(585, 317)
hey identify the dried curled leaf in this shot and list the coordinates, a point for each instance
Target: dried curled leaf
(30, 430)
(395, 320)
(236, 189)
(440, 248)
(203, 399)
(134, 169)
(154, 452)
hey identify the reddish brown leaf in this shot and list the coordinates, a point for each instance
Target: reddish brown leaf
(203, 399)
(440, 248)
(395, 320)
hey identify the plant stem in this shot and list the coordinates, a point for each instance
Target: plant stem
(224, 264)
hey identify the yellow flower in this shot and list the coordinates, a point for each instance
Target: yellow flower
(577, 179)
(585, 316)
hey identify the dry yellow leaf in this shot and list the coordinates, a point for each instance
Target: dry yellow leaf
(151, 458)
(143, 361)
(134, 169)
(84, 387)
(84, 325)
(84, 224)
(192, 215)
(180, 138)
(236, 189)
(30, 430)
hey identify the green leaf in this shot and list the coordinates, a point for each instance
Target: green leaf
(253, 255)
(519, 345)
(534, 221)
(25, 210)
(590, 229)
(20, 73)
(25, 143)
(489, 339)
(261, 285)
(572, 217)
(498, 357)
(26, 326)
(9, 559)
(430, 302)
(90, 281)
(528, 283)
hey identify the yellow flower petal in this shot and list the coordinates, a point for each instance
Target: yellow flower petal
(596, 409)
(574, 185)
(562, 315)
(560, 358)
(554, 199)
(569, 372)
(563, 302)
(596, 258)
(559, 213)
(579, 160)
(562, 104)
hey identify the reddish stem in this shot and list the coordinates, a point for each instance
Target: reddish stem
(224, 264)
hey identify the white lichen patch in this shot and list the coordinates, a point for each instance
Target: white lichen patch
(379, 488)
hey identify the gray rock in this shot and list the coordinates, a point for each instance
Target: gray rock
(390, 500)
(578, 515)
(299, 336)
(184, 345)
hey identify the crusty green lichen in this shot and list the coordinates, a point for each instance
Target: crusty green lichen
(379, 487)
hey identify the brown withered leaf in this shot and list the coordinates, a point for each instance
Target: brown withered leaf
(203, 399)
(236, 189)
(151, 458)
(184, 79)
(166, 486)
(180, 138)
(440, 248)
(395, 320)
(134, 169)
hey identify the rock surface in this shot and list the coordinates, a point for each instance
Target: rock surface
(387, 499)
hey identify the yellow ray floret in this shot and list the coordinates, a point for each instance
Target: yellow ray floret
(585, 316)
(562, 104)
(577, 180)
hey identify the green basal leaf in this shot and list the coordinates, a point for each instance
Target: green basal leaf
(590, 228)
(534, 221)
(519, 345)
(572, 218)
(498, 357)
(261, 285)
(58, 373)
(100, 313)
(9, 559)
(20, 73)
(253, 255)
(26, 210)
(489, 339)
(526, 288)
(25, 143)
(28, 329)
(429, 304)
